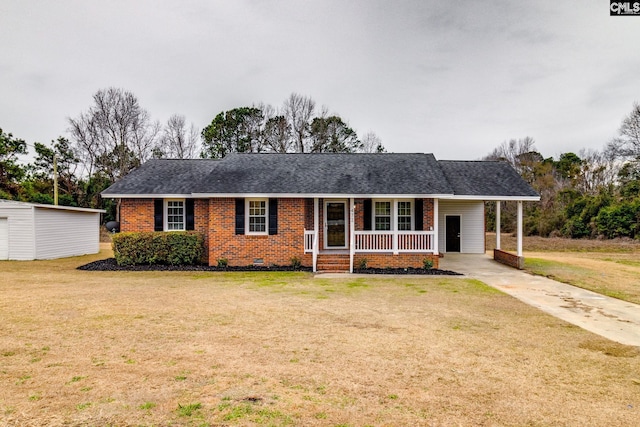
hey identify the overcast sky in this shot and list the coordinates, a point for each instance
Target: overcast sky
(452, 78)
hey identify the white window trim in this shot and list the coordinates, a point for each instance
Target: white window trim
(166, 214)
(247, 215)
(412, 207)
(394, 213)
(373, 213)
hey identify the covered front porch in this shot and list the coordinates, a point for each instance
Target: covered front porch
(347, 232)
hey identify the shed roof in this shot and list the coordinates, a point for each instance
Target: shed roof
(13, 204)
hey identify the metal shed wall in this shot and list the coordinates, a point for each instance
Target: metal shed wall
(20, 236)
(64, 233)
(472, 231)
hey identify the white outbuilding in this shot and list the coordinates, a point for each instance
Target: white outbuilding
(32, 231)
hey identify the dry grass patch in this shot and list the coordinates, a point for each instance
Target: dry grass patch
(609, 274)
(93, 348)
(609, 267)
(558, 244)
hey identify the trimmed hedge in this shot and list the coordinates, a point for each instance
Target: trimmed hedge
(146, 248)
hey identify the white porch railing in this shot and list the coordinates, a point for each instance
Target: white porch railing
(308, 240)
(394, 241)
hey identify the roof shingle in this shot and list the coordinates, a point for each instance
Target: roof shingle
(327, 174)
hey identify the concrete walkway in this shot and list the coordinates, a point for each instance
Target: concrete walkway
(611, 318)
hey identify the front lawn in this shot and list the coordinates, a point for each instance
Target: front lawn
(208, 348)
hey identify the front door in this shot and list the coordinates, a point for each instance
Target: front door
(453, 233)
(335, 224)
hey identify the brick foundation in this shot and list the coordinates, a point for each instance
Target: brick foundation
(384, 260)
(508, 258)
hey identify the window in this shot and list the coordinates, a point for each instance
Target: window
(404, 215)
(382, 214)
(175, 215)
(394, 214)
(257, 216)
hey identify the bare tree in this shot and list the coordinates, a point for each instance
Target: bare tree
(627, 145)
(115, 135)
(178, 141)
(514, 152)
(298, 110)
(371, 143)
(599, 169)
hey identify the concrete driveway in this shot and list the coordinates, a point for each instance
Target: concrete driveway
(611, 318)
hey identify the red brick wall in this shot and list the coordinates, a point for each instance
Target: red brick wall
(215, 218)
(242, 250)
(136, 215)
(508, 258)
(201, 223)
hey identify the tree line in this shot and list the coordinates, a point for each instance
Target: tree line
(592, 193)
(116, 134)
(589, 194)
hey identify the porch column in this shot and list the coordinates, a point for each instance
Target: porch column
(435, 226)
(519, 228)
(352, 233)
(316, 232)
(394, 226)
(498, 224)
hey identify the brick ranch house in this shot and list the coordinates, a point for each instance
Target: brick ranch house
(330, 211)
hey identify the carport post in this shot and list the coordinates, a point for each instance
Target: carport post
(498, 224)
(520, 228)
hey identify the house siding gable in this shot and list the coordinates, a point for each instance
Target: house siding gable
(472, 237)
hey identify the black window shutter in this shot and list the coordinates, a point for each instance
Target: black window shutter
(239, 216)
(158, 215)
(418, 215)
(191, 218)
(367, 214)
(273, 216)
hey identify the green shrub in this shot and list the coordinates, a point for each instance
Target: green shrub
(427, 263)
(363, 263)
(296, 263)
(621, 220)
(223, 262)
(143, 248)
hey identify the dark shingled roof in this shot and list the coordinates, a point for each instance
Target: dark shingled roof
(485, 178)
(388, 173)
(163, 176)
(329, 174)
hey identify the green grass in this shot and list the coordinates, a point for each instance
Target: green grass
(147, 406)
(188, 409)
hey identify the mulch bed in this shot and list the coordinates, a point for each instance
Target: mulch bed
(409, 270)
(110, 264)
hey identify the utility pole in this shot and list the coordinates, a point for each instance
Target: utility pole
(55, 179)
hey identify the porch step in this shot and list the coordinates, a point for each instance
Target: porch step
(333, 263)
